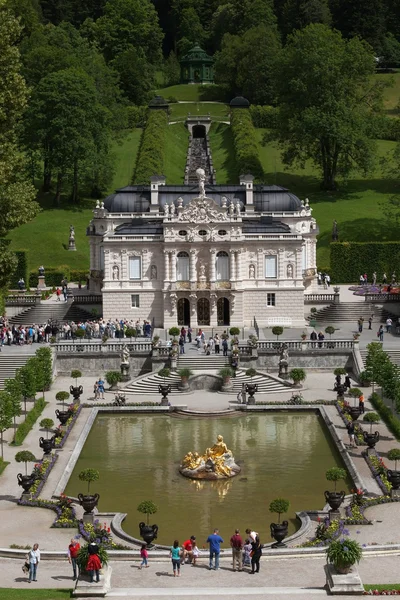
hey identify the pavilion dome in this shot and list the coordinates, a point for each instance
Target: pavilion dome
(239, 102)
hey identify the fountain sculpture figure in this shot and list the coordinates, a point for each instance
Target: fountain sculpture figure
(216, 463)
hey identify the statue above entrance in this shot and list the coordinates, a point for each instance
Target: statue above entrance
(216, 463)
(201, 176)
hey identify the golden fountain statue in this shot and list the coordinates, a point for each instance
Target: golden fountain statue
(216, 463)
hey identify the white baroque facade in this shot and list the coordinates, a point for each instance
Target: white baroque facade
(204, 255)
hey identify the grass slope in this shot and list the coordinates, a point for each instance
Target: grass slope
(126, 153)
(217, 110)
(176, 145)
(391, 96)
(222, 152)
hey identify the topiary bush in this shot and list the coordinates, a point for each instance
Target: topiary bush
(113, 377)
(371, 417)
(147, 507)
(335, 474)
(277, 330)
(89, 475)
(279, 506)
(394, 454)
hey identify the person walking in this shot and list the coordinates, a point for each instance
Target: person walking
(313, 338)
(175, 555)
(181, 345)
(256, 552)
(225, 347)
(351, 432)
(374, 278)
(216, 343)
(34, 560)
(246, 553)
(145, 555)
(189, 335)
(380, 333)
(361, 405)
(321, 338)
(73, 550)
(100, 387)
(58, 294)
(360, 324)
(389, 324)
(370, 322)
(93, 564)
(384, 279)
(347, 381)
(215, 541)
(237, 550)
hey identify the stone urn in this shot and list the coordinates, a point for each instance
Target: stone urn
(334, 499)
(47, 445)
(251, 389)
(164, 389)
(394, 478)
(371, 438)
(26, 481)
(279, 531)
(63, 416)
(76, 391)
(354, 412)
(88, 502)
(148, 532)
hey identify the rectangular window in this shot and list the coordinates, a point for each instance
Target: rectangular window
(134, 267)
(270, 299)
(270, 267)
(135, 300)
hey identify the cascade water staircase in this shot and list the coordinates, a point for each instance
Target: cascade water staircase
(10, 362)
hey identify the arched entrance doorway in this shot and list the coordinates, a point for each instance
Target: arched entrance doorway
(223, 312)
(203, 311)
(199, 131)
(183, 311)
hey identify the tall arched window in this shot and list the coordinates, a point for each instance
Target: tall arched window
(182, 266)
(222, 266)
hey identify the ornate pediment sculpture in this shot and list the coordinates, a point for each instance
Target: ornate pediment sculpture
(203, 210)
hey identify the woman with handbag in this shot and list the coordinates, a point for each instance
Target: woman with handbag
(256, 552)
(34, 560)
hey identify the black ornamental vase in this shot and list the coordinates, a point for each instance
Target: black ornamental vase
(251, 389)
(88, 502)
(354, 412)
(279, 531)
(76, 392)
(371, 438)
(164, 390)
(63, 416)
(394, 478)
(26, 481)
(47, 445)
(148, 532)
(334, 499)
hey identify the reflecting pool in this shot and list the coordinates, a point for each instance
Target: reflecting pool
(281, 455)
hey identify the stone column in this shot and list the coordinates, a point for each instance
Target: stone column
(166, 266)
(213, 310)
(212, 265)
(260, 264)
(281, 264)
(173, 266)
(232, 268)
(192, 267)
(106, 264)
(238, 266)
(193, 312)
(299, 263)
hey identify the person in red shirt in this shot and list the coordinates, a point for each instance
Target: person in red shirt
(73, 550)
(187, 548)
(237, 550)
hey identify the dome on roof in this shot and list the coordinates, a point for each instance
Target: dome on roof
(197, 53)
(128, 200)
(276, 199)
(239, 102)
(158, 102)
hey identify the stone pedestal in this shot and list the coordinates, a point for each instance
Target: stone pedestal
(41, 283)
(25, 496)
(88, 518)
(71, 245)
(125, 371)
(344, 584)
(85, 589)
(394, 493)
(174, 362)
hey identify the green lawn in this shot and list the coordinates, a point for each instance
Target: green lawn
(175, 153)
(193, 92)
(391, 93)
(217, 110)
(46, 237)
(15, 594)
(222, 152)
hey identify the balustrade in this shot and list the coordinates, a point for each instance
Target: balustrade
(22, 300)
(315, 298)
(97, 347)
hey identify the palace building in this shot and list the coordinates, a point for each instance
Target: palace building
(203, 254)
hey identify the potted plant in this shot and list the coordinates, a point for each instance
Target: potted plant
(298, 375)
(371, 439)
(343, 554)
(252, 341)
(104, 338)
(251, 388)
(226, 373)
(83, 556)
(113, 378)
(335, 499)
(88, 501)
(184, 374)
(394, 476)
(148, 532)
(330, 330)
(235, 331)
(279, 530)
(164, 388)
(304, 336)
(130, 332)
(174, 331)
(79, 333)
(25, 481)
(47, 444)
(354, 411)
(155, 341)
(62, 415)
(76, 390)
(277, 331)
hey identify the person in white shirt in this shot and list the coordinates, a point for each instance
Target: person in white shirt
(251, 535)
(34, 560)
(389, 324)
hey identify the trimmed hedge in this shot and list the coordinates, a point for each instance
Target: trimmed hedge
(53, 277)
(244, 140)
(265, 117)
(136, 116)
(21, 270)
(349, 259)
(31, 418)
(150, 160)
(392, 422)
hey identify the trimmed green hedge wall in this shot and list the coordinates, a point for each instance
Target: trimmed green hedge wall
(264, 116)
(25, 427)
(150, 160)
(53, 277)
(21, 270)
(136, 116)
(244, 140)
(349, 259)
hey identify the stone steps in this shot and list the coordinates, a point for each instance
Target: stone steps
(149, 384)
(352, 311)
(203, 362)
(266, 385)
(61, 311)
(9, 363)
(394, 356)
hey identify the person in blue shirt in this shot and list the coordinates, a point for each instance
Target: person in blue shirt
(175, 554)
(215, 541)
(100, 387)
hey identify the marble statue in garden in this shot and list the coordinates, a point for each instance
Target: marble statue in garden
(216, 463)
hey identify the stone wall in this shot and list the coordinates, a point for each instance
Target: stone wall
(93, 366)
(315, 360)
(119, 304)
(289, 303)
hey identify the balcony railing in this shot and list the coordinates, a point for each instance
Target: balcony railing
(22, 300)
(97, 347)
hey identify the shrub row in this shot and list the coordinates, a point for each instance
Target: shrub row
(386, 415)
(349, 259)
(150, 160)
(265, 117)
(245, 144)
(24, 428)
(53, 277)
(136, 116)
